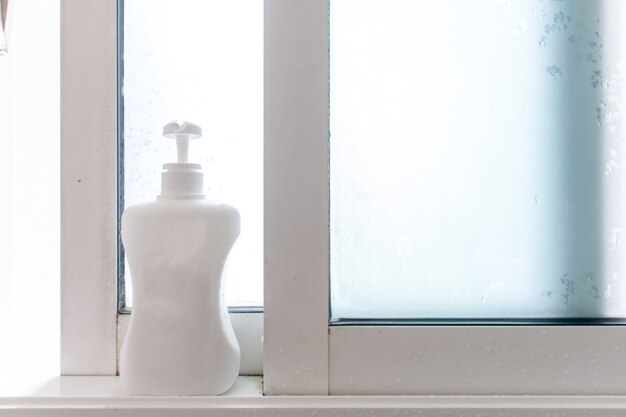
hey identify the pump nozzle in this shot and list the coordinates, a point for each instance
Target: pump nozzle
(182, 131)
(182, 179)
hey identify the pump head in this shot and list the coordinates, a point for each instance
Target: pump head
(181, 179)
(182, 131)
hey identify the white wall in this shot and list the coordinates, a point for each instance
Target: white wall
(29, 187)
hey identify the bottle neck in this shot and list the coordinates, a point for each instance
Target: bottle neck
(181, 181)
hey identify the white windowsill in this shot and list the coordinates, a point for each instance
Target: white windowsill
(100, 395)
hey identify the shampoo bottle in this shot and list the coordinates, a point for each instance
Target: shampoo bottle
(180, 339)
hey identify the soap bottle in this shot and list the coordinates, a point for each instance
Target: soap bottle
(180, 340)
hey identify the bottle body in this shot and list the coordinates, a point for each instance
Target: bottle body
(180, 340)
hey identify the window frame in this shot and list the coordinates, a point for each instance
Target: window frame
(304, 353)
(88, 187)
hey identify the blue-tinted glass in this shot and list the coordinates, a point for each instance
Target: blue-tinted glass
(475, 158)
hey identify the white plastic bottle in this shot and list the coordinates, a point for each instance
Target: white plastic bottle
(180, 339)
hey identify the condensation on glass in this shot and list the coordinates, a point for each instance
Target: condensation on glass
(200, 61)
(477, 153)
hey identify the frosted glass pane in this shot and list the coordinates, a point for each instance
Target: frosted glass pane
(475, 158)
(200, 61)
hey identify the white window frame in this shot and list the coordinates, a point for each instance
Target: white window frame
(88, 187)
(303, 354)
(91, 329)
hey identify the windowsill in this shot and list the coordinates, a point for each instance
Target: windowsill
(104, 392)
(97, 394)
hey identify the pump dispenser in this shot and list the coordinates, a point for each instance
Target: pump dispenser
(182, 179)
(180, 340)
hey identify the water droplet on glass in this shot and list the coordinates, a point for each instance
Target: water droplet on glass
(596, 79)
(595, 292)
(568, 287)
(554, 71)
(610, 167)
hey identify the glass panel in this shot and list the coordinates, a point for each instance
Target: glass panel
(475, 159)
(200, 61)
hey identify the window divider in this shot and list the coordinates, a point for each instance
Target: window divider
(296, 200)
